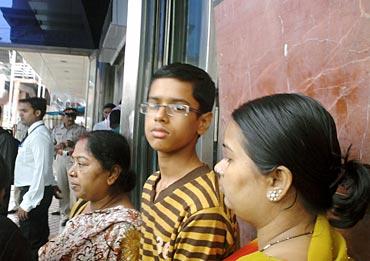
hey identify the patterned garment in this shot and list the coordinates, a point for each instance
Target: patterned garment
(187, 221)
(108, 234)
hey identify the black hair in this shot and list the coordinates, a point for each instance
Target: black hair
(4, 176)
(111, 149)
(114, 119)
(109, 105)
(297, 132)
(70, 109)
(204, 89)
(37, 103)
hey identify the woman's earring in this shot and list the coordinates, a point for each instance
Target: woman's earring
(274, 195)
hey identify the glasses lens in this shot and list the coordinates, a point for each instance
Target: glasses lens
(180, 109)
(171, 109)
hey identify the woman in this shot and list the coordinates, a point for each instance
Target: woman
(108, 226)
(283, 172)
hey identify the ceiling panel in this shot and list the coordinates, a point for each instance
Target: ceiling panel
(64, 74)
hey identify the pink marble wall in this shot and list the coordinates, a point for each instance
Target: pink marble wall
(318, 47)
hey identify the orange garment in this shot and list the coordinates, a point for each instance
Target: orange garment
(247, 249)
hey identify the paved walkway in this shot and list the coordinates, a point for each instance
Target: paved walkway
(53, 220)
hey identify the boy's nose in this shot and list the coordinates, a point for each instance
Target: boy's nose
(161, 114)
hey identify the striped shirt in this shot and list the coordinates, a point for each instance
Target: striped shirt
(188, 220)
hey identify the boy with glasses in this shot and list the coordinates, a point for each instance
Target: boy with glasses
(184, 217)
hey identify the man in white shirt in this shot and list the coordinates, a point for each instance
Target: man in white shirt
(104, 124)
(33, 174)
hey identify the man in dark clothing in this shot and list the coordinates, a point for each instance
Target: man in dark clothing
(13, 246)
(8, 151)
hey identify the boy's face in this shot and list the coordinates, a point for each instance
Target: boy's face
(173, 133)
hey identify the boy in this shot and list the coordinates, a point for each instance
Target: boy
(184, 217)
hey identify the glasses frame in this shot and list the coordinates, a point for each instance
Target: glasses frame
(155, 106)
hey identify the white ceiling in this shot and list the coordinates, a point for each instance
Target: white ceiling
(61, 74)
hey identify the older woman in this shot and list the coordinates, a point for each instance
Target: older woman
(108, 226)
(283, 172)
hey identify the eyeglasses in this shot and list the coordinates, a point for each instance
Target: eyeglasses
(171, 109)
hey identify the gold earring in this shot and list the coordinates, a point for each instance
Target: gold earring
(274, 194)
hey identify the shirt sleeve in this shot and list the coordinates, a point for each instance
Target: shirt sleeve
(41, 153)
(207, 235)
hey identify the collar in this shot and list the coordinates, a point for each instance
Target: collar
(34, 126)
(326, 243)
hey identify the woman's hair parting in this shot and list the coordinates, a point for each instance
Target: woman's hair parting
(297, 132)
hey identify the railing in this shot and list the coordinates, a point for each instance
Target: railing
(24, 71)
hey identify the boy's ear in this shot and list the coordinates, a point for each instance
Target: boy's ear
(204, 122)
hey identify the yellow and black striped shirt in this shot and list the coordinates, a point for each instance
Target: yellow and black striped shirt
(188, 220)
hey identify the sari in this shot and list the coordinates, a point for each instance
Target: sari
(107, 234)
(326, 244)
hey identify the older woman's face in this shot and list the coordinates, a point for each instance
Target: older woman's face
(87, 177)
(240, 179)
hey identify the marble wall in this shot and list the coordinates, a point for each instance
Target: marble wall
(319, 47)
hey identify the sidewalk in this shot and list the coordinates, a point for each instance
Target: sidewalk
(53, 220)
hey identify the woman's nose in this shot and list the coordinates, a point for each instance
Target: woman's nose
(220, 167)
(72, 171)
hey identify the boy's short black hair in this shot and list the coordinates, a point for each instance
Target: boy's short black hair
(37, 103)
(204, 89)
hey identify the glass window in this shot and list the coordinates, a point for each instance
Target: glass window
(194, 28)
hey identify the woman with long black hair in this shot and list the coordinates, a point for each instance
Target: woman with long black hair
(284, 173)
